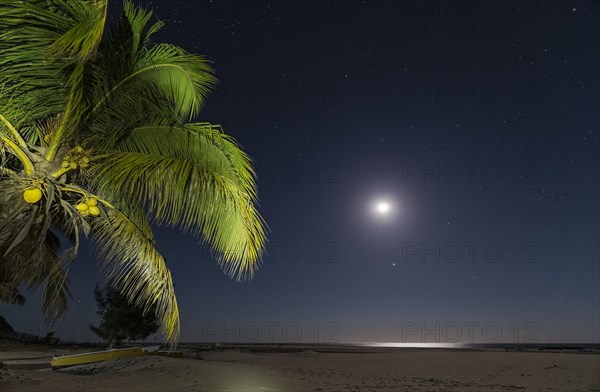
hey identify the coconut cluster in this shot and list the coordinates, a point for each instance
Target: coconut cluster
(88, 207)
(76, 158)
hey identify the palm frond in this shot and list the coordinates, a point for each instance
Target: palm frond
(80, 41)
(137, 19)
(197, 196)
(134, 266)
(30, 251)
(204, 144)
(10, 294)
(55, 275)
(38, 41)
(164, 72)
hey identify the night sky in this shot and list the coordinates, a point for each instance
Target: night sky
(476, 122)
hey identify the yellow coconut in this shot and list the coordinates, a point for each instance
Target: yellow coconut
(82, 207)
(73, 165)
(92, 202)
(32, 195)
(65, 164)
(95, 211)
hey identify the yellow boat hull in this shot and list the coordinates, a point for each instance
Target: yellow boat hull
(98, 356)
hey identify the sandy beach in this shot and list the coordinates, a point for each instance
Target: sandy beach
(308, 370)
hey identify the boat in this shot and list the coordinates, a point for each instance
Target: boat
(100, 356)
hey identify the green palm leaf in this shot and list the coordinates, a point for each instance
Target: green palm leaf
(132, 263)
(195, 197)
(164, 71)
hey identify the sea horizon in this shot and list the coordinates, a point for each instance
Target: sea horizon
(393, 345)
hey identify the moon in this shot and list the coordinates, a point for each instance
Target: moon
(383, 207)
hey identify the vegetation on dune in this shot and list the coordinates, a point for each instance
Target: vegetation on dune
(97, 141)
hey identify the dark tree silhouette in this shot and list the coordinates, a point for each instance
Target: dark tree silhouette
(121, 320)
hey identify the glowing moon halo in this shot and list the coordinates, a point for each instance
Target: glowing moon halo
(383, 207)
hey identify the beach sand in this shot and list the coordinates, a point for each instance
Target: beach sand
(244, 370)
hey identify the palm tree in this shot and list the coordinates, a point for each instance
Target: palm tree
(97, 141)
